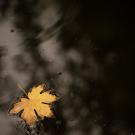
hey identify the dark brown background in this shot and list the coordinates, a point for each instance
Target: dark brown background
(82, 50)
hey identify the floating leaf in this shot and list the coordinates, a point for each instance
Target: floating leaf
(38, 104)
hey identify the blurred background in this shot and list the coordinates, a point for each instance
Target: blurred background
(80, 49)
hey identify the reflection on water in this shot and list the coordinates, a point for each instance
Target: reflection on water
(80, 51)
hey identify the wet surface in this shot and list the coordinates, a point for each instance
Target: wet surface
(80, 49)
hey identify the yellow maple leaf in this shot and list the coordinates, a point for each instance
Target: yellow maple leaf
(38, 101)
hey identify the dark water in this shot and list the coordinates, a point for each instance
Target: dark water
(81, 50)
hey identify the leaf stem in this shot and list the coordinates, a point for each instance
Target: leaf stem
(21, 88)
